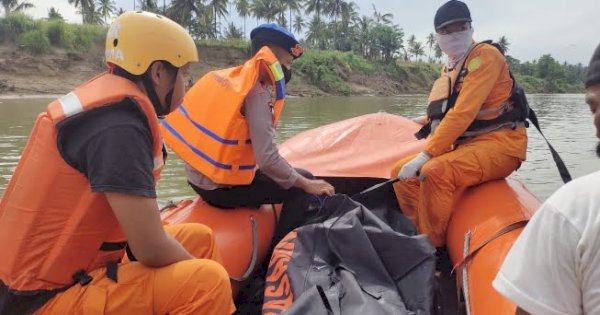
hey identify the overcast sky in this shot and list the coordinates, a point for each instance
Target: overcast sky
(569, 30)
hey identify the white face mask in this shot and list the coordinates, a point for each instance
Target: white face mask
(455, 45)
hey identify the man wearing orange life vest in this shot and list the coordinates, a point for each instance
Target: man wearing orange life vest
(473, 136)
(225, 130)
(63, 234)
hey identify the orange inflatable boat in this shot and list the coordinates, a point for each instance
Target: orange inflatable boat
(354, 154)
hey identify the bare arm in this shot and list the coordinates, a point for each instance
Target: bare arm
(314, 186)
(139, 217)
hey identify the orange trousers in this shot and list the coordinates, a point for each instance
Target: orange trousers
(428, 203)
(198, 286)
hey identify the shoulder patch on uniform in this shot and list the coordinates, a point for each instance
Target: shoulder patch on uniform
(474, 64)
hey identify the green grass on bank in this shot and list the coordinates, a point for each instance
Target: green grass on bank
(231, 43)
(331, 70)
(533, 84)
(39, 36)
(328, 70)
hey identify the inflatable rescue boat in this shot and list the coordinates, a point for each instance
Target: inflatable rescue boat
(353, 155)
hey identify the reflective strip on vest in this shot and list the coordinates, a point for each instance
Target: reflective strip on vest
(277, 71)
(279, 80)
(70, 104)
(202, 154)
(496, 111)
(506, 125)
(206, 131)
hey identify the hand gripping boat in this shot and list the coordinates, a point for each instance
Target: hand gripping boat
(354, 154)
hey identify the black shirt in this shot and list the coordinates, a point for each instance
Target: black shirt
(112, 147)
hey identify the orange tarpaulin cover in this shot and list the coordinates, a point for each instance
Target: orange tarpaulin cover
(365, 146)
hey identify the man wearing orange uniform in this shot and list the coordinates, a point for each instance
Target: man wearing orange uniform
(473, 136)
(84, 192)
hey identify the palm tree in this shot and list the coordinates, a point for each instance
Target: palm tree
(265, 9)
(202, 24)
(149, 5)
(313, 33)
(233, 32)
(281, 20)
(438, 52)
(364, 26)
(417, 50)
(314, 6)
(84, 8)
(349, 13)
(430, 42)
(181, 11)
(258, 9)
(243, 9)
(53, 14)
(299, 24)
(334, 9)
(503, 43)
(15, 6)
(106, 8)
(387, 41)
(219, 8)
(290, 5)
(382, 18)
(91, 15)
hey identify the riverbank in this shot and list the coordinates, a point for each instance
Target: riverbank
(53, 57)
(315, 74)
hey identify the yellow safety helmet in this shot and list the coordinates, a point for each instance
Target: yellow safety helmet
(136, 39)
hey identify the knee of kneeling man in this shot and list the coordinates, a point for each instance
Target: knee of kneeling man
(195, 231)
(433, 169)
(212, 273)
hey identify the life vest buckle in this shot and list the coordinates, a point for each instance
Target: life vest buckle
(82, 277)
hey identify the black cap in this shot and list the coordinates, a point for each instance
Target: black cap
(451, 12)
(593, 71)
(277, 35)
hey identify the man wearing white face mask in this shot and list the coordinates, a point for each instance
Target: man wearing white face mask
(475, 132)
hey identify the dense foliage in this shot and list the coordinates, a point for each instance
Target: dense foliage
(339, 36)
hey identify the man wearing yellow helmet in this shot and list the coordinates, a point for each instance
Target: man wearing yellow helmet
(99, 148)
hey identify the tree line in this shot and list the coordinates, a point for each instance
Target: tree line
(323, 24)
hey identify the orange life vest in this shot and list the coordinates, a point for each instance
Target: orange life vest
(445, 91)
(52, 227)
(208, 130)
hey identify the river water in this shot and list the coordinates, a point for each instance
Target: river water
(565, 120)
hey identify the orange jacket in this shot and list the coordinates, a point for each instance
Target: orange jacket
(483, 87)
(51, 225)
(208, 130)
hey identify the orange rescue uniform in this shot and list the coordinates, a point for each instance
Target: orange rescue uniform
(483, 92)
(198, 286)
(59, 236)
